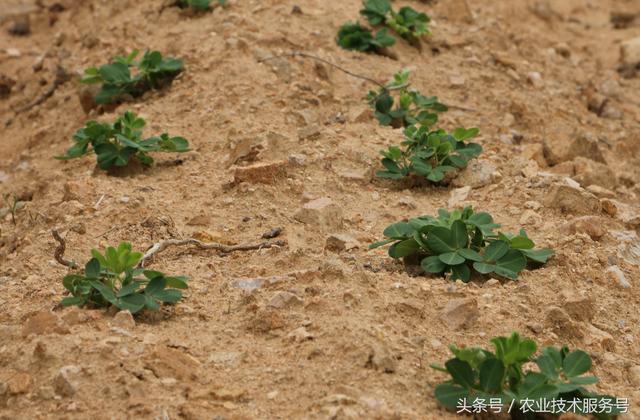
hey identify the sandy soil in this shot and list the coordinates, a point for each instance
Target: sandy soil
(331, 333)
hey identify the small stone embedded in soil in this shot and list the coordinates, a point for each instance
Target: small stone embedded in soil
(321, 212)
(380, 358)
(616, 276)
(561, 323)
(338, 242)
(20, 383)
(458, 196)
(284, 300)
(591, 225)
(124, 319)
(260, 173)
(460, 314)
(300, 335)
(169, 362)
(66, 381)
(477, 174)
(273, 233)
(572, 199)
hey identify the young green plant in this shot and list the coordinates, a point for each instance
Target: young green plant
(429, 154)
(115, 144)
(354, 37)
(398, 105)
(499, 376)
(13, 205)
(118, 82)
(406, 22)
(457, 242)
(112, 279)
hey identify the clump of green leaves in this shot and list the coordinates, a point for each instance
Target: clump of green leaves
(118, 82)
(398, 105)
(429, 154)
(112, 279)
(115, 144)
(458, 241)
(354, 37)
(407, 22)
(199, 5)
(481, 375)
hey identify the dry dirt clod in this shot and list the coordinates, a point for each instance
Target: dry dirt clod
(460, 314)
(124, 319)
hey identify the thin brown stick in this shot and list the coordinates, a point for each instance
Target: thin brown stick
(322, 60)
(225, 249)
(61, 77)
(59, 252)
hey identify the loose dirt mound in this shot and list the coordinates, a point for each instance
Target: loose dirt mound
(337, 332)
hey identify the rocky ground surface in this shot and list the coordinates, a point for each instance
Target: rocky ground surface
(320, 327)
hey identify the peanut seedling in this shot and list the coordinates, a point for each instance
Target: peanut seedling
(199, 5)
(400, 106)
(112, 279)
(456, 242)
(115, 144)
(353, 36)
(151, 72)
(429, 154)
(479, 375)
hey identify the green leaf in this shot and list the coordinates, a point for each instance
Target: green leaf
(511, 263)
(169, 296)
(116, 73)
(461, 372)
(462, 134)
(381, 243)
(484, 268)
(401, 230)
(460, 271)
(492, 373)
(155, 286)
(106, 292)
(403, 248)
(440, 240)
(451, 258)
(547, 366)
(495, 251)
(459, 235)
(450, 395)
(73, 300)
(432, 264)
(133, 302)
(179, 282)
(538, 255)
(521, 242)
(129, 289)
(92, 269)
(470, 254)
(576, 363)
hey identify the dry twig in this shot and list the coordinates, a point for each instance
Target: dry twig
(59, 252)
(225, 249)
(322, 60)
